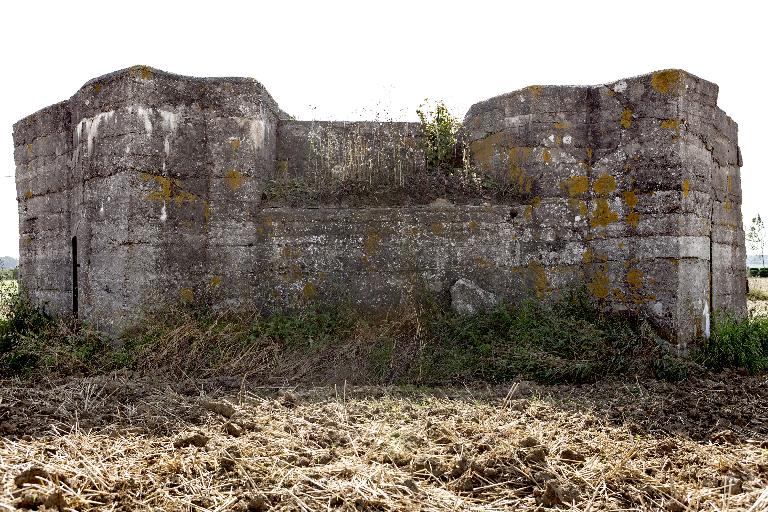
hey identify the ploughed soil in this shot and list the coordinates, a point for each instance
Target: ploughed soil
(138, 442)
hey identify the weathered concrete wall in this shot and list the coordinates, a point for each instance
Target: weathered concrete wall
(638, 178)
(185, 189)
(43, 149)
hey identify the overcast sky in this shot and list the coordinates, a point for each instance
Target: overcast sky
(360, 60)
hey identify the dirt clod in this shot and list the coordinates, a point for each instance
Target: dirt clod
(199, 440)
(233, 429)
(569, 455)
(223, 408)
(528, 442)
(33, 475)
(557, 493)
(537, 455)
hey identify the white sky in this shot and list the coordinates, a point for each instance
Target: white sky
(357, 60)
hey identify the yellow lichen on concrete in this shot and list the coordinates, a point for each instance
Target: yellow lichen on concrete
(484, 149)
(686, 188)
(215, 281)
(206, 211)
(170, 190)
(599, 286)
(667, 81)
(603, 215)
(604, 185)
(671, 124)
(536, 201)
(143, 72)
(371, 243)
(539, 278)
(633, 219)
(187, 294)
(29, 149)
(729, 183)
(634, 279)
(289, 252)
(308, 291)
(234, 143)
(437, 228)
(528, 213)
(519, 154)
(546, 156)
(235, 179)
(630, 198)
(481, 262)
(728, 205)
(97, 88)
(534, 91)
(472, 226)
(576, 185)
(578, 205)
(28, 194)
(587, 256)
(562, 125)
(626, 118)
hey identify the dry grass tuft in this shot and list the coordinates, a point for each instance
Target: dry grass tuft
(122, 442)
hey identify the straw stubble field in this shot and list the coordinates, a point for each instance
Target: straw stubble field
(129, 442)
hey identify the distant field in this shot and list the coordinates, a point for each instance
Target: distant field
(758, 283)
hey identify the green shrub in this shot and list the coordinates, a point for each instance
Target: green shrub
(736, 343)
(440, 137)
(754, 272)
(763, 272)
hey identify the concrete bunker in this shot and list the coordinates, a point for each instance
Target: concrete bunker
(155, 188)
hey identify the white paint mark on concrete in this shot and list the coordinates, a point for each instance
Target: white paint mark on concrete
(706, 319)
(167, 146)
(90, 125)
(163, 213)
(551, 139)
(170, 120)
(567, 139)
(144, 114)
(620, 87)
(256, 130)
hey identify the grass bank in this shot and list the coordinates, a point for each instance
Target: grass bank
(566, 340)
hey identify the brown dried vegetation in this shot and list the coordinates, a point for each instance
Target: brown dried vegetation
(129, 442)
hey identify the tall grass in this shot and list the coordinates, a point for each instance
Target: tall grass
(567, 339)
(736, 343)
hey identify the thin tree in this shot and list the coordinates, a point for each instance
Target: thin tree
(756, 237)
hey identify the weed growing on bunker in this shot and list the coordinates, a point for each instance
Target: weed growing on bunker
(440, 141)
